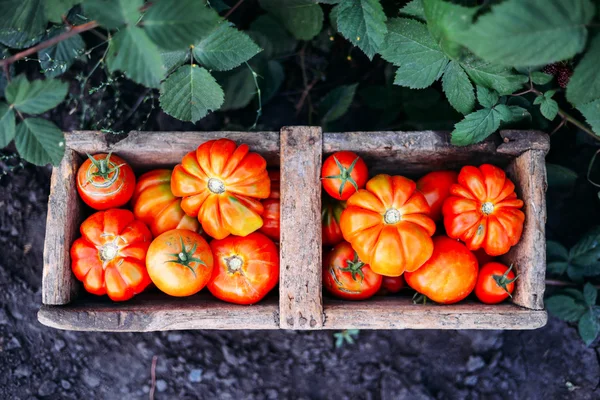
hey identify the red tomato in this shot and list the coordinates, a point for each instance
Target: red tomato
(105, 181)
(330, 217)
(343, 173)
(246, 268)
(435, 186)
(346, 277)
(110, 256)
(179, 262)
(391, 285)
(482, 257)
(275, 184)
(271, 219)
(495, 283)
(449, 275)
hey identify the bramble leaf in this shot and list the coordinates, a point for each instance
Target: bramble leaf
(302, 18)
(7, 125)
(56, 60)
(238, 86)
(23, 16)
(55, 9)
(173, 59)
(591, 112)
(113, 14)
(272, 37)
(487, 98)
(40, 141)
(557, 257)
(588, 327)
(225, 49)
(362, 22)
(475, 127)
(37, 96)
(414, 8)
(458, 88)
(565, 307)
(540, 78)
(561, 178)
(590, 293)
(584, 85)
(446, 21)
(502, 79)
(337, 102)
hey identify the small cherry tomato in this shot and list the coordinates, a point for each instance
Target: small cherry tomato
(246, 268)
(105, 181)
(495, 283)
(482, 257)
(435, 186)
(391, 285)
(343, 173)
(179, 262)
(346, 277)
(330, 217)
(271, 219)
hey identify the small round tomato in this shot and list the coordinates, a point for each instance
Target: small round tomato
(271, 219)
(110, 256)
(391, 285)
(275, 184)
(435, 186)
(449, 275)
(331, 212)
(346, 277)
(105, 181)
(482, 257)
(179, 262)
(343, 173)
(495, 283)
(246, 268)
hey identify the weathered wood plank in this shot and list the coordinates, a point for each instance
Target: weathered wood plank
(528, 172)
(300, 304)
(517, 142)
(400, 313)
(59, 285)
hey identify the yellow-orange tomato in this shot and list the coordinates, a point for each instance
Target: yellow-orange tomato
(221, 185)
(179, 262)
(388, 226)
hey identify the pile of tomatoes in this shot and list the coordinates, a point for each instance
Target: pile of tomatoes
(382, 232)
(220, 193)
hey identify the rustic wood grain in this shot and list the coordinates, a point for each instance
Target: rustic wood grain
(517, 142)
(157, 312)
(400, 313)
(528, 172)
(300, 303)
(59, 285)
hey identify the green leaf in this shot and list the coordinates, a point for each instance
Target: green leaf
(190, 93)
(487, 98)
(218, 5)
(504, 112)
(40, 141)
(414, 8)
(518, 113)
(225, 49)
(565, 308)
(56, 60)
(272, 37)
(559, 177)
(585, 255)
(7, 125)
(113, 14)
(557, 257)
(588, 327)
(590, 293)
(56, 9)
(475, 127)
(273, 77)
(575, 294)
(176, 25)
(362, 22)
(591, 112)
(548, 108)
(336, 103)
(238, 86)
(503, 80)
(37, 96)
(410, 46)
(19, 39)
(132, 52)
(23, 16)
(173, 59)
(584, 85)
(540, 78)
(458, 88)
(302, 18)
(446, 21)
(4, 53)
(530, 33)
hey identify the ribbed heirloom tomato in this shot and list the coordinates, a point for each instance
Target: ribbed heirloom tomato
(110, 256)
(388, 226)
(343, 173)
(495, 283)
(246, 268)
(330, 220)
(435, 186)
(105, 181)
(271, 217)
(347, 277)
(155, 205)
(222, 184)
(483, 210)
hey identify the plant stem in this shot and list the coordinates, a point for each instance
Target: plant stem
(63, 36)
(555, 282)
(232, 9)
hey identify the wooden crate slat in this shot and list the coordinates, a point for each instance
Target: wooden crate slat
(300, 288)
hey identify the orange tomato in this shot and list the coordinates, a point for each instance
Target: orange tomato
(179, 262)
(155, 205)
(221, 185)
(495, 283)
(449, 275)
(388, 226)
(271, 217)
(110, 256)
(275, 184)
(331, 212)
(483, 210)
(435, 186)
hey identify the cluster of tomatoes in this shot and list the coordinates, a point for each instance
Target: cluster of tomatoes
(381, 229)
(216, 193)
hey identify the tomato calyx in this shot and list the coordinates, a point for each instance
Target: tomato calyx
(354, 267)
(392, 216)
(487, 208)
(185, 257)
(345, 174)
(108, 251)
(234, 264)
(216, 186)
(104, 170)
(419, 298)
(503, 281)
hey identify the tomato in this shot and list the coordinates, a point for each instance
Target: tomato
(155, 205)
(449, 275)
(246, 268)
(391, 285)
(330, 217)
(109, 257)
(105, 181)
(271, 219)
(482, 257)
(435, 186)
(343, 173)
(483, 210)
(179, 262)
(388, 226)
(275, 184)
(347, 277)
(221, 185)
(495, 283)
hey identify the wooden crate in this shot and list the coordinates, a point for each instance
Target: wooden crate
(299, 304)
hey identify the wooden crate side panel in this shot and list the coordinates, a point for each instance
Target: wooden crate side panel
(59, 285)
(300, 288)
